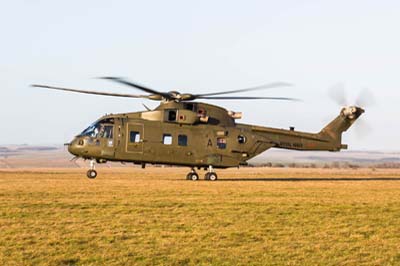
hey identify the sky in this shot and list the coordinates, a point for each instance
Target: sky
(194, 47)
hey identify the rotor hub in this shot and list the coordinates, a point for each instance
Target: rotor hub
(352, 112)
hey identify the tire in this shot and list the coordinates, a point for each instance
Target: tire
(207, 176)
(212, 177)
(194, 176)
(91, 174)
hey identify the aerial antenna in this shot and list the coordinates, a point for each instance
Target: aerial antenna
(145, 106)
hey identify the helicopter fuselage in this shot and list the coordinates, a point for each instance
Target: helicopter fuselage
(197, 135)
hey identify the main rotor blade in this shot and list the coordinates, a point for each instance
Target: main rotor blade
(262, 87)
(246, 98)
(137, 86)
(91, 92)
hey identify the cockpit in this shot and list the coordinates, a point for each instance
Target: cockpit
(96, 140)
(100, 129)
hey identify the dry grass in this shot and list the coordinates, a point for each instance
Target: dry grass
(253, 216)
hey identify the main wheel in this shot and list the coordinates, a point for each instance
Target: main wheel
(207, 176)
(91, 174)
(193, 176)
(212, 176)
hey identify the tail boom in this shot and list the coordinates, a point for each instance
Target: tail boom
(328, 139)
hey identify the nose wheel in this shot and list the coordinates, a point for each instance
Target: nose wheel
(92, 173)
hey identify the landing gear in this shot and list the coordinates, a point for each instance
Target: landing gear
(91, 173)
(192, 175)
(211, 175)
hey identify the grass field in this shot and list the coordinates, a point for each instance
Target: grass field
(251, 216)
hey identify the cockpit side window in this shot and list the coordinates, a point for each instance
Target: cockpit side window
(106, 131)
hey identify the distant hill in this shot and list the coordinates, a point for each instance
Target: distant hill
(322, 157)
(29, 156)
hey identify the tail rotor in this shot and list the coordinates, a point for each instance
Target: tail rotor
(365, 99)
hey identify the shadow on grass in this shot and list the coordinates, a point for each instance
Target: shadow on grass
(298, 179)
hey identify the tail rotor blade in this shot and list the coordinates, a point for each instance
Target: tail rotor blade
(362, 128)
(365, 98)
(338, 95)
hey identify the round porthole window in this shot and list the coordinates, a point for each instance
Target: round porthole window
(241, 139)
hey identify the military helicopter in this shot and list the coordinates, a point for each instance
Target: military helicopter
(198, 135)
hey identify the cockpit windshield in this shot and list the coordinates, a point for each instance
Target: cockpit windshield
(100, 129)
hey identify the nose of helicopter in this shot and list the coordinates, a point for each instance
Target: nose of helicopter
(75, 147)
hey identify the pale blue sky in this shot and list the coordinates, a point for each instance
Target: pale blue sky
(196, 46)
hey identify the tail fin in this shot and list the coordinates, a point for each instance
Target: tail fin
(333, 131)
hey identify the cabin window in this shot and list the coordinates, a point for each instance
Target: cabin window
(221, 143)
(182, 140)
(171, 115)
(189, 106)
(167, 139)
(241, 139)
(134, 137)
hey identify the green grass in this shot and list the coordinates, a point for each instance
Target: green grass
(155, 217)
